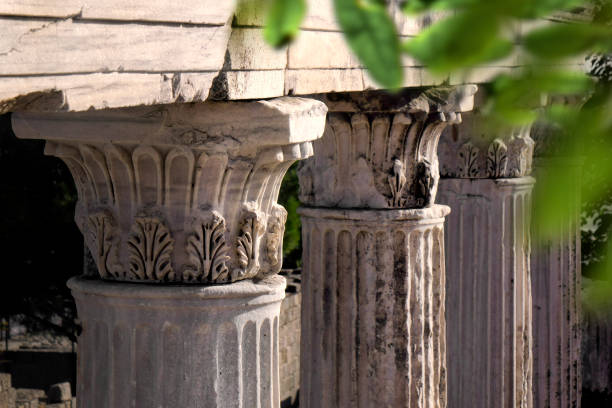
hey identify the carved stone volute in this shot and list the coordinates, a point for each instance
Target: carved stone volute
(380, 150)
(185, 193)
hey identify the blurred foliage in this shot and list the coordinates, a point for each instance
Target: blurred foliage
(371, 34)
(292, 240)
(40, 243)
(283, 21)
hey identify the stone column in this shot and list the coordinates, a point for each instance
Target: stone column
(488, 287)
(373, 328)
(556, 276)
(182, 198)
(556, 284)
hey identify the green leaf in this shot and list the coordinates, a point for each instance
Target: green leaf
(372, 36)
(283, 21)
(251, 12)
(417, 6)
(515, 99)
(460, 42)
(530, 9)
(564, 40)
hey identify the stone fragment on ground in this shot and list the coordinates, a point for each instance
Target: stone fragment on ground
(59, 392)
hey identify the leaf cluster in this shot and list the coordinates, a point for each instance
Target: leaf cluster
(544, 42)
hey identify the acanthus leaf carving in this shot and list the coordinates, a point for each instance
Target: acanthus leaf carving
(397, 182)
(150, 247)
(247, 243)
(158, 169)
(474, 151)
(274, 239)
(423, 188)
(370, 159)
(208, 251)
(468, 154)
(497, 159)
(102, 242)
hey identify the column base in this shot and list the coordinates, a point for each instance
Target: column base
(175, 346)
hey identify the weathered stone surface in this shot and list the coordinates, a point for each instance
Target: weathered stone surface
(7, 393)
(70, 46)
(66, 404)
(379, 151)
(231, 85)
(182, 193)
(59, 392)
(247, 50)
(320, 17)
(171, 346)
(183, 11)
(77, 55)
(326, 50)
(289, 339)
(28, 398)
(81, 92)
(310, 81)
(488, 292)
(373, 325)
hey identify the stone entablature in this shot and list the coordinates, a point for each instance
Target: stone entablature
(379, 151)
(182, 193)
(81, 54)
(469, 150)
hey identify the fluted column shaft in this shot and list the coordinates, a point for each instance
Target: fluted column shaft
(488, 287)
(373, 328)
(148, 346)
(180, 194)
(373, 308)
(556, 283)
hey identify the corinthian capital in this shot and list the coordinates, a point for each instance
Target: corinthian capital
(472, 150)
(181, 193)
(380, 150)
